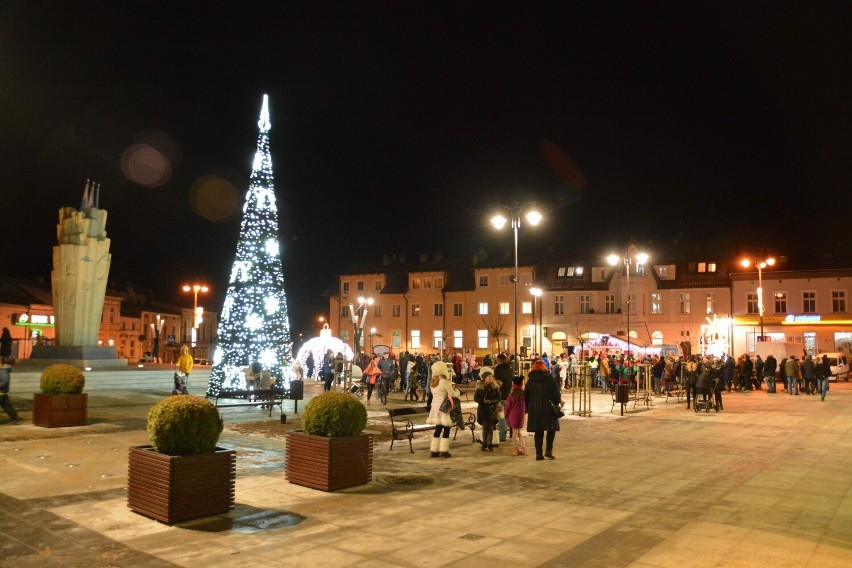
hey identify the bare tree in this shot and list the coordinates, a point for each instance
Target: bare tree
(495, 328)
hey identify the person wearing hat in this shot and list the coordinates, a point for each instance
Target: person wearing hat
(541, 395)
(487, 397)
(516, 411)
(442, 389)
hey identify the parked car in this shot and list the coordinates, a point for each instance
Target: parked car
(201, 361)
(839, 363)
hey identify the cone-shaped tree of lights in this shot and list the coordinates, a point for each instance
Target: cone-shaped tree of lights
(254, 325)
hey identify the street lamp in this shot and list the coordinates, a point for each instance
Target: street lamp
(536, 294)
(359, 316)
(613, 259)
(499, 221)
(372, 333)
(196, 320)
(760, 265)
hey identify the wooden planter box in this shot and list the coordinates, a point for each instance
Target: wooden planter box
(328, 464)
(172, 489)
(59, 410)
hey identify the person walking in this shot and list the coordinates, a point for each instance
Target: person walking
(503, 373)
(487, 396)
(808, 370)
(184, 366)
(5, 403)
(327, 370)
(442, 389)
(823, 374)
(769, 367)
(372, 372)
(516, 410)
(540, 396)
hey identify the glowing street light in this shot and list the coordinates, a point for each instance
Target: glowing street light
(499, 221)
(613, 259)
(760, 265)
(196, 311)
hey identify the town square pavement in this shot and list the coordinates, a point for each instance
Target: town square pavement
(766, 482)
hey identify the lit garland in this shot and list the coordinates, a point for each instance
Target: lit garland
(254, 325)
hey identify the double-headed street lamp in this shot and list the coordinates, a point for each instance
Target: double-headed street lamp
(359, 316)
(760, 264)
(613, 259)
(536, 294)
(196, 311)
(499, 221)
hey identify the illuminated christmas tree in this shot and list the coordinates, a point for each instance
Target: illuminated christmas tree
(254, 325)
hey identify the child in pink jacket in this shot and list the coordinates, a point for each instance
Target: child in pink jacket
(515, 414)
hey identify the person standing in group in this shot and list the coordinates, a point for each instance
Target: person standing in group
(516, 410)
(728, 372)
(823, 374)
(603, 372)
(759, 369)
(503, 374)
(327, 370)
(389, 369)
(748, 369)
(718, 383)
(5, 346)
(769, 367)
(309, 363)
(5, 404)
(691, 378)
(791, 371)
(372, 374)
(487, 397)
(541, 395)
(808, 370)
(442, 389)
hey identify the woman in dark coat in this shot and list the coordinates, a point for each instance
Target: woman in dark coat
(6, 346)
(540, 394)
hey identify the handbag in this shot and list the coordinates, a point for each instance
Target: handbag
(557, 410)
(445, 406)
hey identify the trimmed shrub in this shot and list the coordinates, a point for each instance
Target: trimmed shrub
(182, 425)
(62, 379)
(334, 415)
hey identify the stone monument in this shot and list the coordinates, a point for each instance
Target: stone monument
(81, 261)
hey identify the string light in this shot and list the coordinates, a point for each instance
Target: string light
(255, 325)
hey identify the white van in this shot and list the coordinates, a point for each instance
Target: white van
(779, 349)
(839, 363)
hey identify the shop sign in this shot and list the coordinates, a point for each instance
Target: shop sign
(34, 319)
(804, 318)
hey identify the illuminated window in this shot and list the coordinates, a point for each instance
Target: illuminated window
(457, 309)
(437, 339)
(504, 280)
(526, 307)
(657, 338)
(526, 278)
(838, 301)
(458, 339)
(656, 304)
(663, 272)
(415, 283)
(569, 271)
(711, 302)
(504, 308)
(483, 281)
(559, 305)
(585, 304)
(482, 338)
(779, 301)
(809, 302)
(415, 310)
(396, 339)
(439, 309)
(415, 339)
(483, 308)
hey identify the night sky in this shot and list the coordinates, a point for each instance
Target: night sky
(396, 126)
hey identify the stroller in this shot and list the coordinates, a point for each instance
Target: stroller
(180, 383)
(703, 394)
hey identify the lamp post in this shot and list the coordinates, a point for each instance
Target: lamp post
(613, 259)
(196, 318)
(372, 333)
(536, 294)
(499, 221)
(359, 317)
(760, 265)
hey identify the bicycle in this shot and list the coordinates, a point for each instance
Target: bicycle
(383, 390)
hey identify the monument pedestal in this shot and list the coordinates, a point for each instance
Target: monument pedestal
(81, 356)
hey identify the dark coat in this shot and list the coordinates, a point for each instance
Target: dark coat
(485, 411)
(770, 366)
(504, 373)
(540, 391)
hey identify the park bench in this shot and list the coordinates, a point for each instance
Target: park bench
(403, 427)
(229, 398)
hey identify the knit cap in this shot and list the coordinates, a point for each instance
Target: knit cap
(440, 368)
(485, 371)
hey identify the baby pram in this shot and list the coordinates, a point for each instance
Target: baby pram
(180, 383)
(703, 394)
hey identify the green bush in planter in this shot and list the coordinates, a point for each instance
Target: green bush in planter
(62, 379)
(334, 415)
(181, 425)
